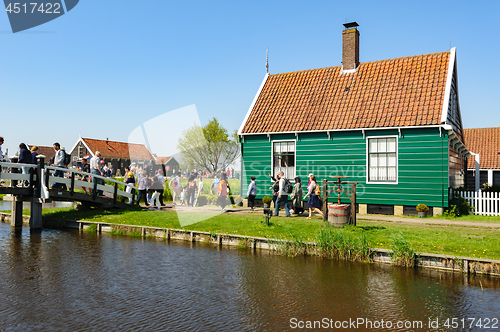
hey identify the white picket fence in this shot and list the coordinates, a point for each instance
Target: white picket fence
(484, 203)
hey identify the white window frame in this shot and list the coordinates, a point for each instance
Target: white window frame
(368, 157)
(294, 156)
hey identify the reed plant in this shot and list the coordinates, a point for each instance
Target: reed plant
(293, 247)
(347, 243)
(402, 251)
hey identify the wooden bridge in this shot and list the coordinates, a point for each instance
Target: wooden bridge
(38, 192)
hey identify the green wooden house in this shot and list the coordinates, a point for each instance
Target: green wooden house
(393, 126)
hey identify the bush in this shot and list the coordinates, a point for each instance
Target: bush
(493, 189)
(167, 194)
(238, 200)
(267, 200)
(202, 200)
(422, 208)
(456, 210)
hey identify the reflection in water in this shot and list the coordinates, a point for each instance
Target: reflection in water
(66, 280)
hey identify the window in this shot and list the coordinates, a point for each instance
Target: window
(284, 158)
(382, 160)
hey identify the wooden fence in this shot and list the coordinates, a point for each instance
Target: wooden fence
(484, 203)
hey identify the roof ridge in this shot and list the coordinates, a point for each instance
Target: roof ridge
(361, 63)
(482, 128)
(103, 140)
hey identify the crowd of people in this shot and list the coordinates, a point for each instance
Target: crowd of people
(282, 189)
(148, 182)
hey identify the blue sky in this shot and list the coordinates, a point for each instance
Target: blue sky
(106, 67)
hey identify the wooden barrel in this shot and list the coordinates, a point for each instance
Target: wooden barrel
(338, 214)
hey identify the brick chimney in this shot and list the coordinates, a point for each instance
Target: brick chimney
(350, 47)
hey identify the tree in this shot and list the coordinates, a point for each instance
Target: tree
(209, 148)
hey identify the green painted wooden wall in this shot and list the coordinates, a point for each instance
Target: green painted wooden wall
(422, 164)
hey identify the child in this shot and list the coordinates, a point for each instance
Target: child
(183, 197)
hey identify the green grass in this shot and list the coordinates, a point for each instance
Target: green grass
(422, 238)
(470, 217)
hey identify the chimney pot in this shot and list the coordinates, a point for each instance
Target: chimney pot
(350, 46)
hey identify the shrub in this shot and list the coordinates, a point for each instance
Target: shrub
(494, 188)
(167, 194)
(202, 200)
(422, 208)
(238, 200)
(267, 200)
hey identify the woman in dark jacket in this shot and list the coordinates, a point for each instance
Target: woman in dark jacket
(25, 157)
(34, 153)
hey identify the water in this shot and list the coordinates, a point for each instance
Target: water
(7, 205)
(70, 281)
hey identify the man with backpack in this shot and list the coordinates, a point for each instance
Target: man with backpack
(58, 162)
(283, 192)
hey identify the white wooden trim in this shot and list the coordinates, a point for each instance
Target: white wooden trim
(253, 104)
(294, 155)
(443, 126)
(74, 146)
(449, 77)
(397, 161)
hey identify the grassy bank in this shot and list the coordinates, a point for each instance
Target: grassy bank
(455, 241)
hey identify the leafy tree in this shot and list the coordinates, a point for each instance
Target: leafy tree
(209, 148)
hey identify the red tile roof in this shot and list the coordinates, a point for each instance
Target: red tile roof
(47, 151)
(486, 142)
(163, 160)
(112, 149)
(397, 92)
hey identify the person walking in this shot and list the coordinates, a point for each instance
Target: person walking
(156, 186)
(313, 191)
(58, 162)
(86, 169)
(214, 187)
(296, 196)
(282, 196)
(95, 169)
(251, 193)
(142, 184)
(175, 184)
(25, 157)
(191, 188)
(275, 188)
(34, 153)
(161, 190)
(222, 192)
(2, 158)
(129, 180)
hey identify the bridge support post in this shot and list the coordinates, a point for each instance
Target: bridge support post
(36, 214)
(17, 212)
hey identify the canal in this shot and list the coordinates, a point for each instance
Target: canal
(70, 281)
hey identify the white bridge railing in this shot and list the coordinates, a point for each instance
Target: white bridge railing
(12, 172)
(75, 182)
(14, 175)
(484, 203)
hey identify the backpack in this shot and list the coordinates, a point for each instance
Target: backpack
(222, 188)
(192, 184)
(317, 190)
(288, 186)
(67, 158)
